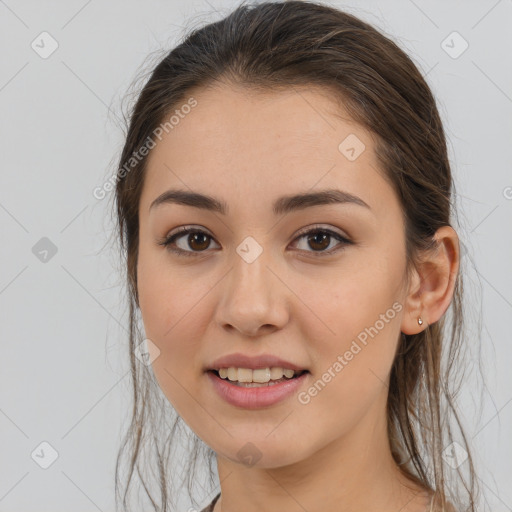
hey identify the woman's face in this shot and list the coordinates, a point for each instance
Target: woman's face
(251, 282)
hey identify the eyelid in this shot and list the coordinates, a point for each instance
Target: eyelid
(183, 230)
(320, 227)
(343, 240)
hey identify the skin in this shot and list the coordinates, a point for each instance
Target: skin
(247, 149)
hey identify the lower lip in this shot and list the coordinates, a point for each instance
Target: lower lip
(254, 398)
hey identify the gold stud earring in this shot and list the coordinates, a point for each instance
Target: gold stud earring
(420, 321)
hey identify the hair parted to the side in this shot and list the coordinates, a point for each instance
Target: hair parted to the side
(270, 45)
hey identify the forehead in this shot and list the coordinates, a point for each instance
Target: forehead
(242, 119)
(238, 139)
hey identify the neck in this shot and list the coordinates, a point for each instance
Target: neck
(351, 473)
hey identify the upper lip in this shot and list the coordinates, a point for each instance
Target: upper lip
(253, 362)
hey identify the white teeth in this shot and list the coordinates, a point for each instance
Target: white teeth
(232, 374)
(260, 375)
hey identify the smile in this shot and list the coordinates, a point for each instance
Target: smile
(255, 395)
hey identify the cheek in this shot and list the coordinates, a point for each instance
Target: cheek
(348, 306)
(171, 314)
(165, 296)
(354, 343)
(171, 317)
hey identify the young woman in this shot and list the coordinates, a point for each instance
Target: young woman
(284, 204)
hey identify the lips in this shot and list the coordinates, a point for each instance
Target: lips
(239, 360)
(256, 397)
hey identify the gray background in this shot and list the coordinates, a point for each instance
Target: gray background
(63, 377)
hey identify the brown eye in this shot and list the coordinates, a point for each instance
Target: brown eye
(199, 238)
(318, 240)
(196, 242)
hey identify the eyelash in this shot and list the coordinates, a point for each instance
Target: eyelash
(166, 242)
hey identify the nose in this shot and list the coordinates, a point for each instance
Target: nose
(254, 299)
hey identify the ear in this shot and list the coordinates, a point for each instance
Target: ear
(431, 289)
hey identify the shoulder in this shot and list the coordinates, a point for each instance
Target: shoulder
(209, 507)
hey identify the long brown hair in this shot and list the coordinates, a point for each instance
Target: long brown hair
(270, 45)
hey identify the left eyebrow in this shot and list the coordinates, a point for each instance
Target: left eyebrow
(284, 204)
